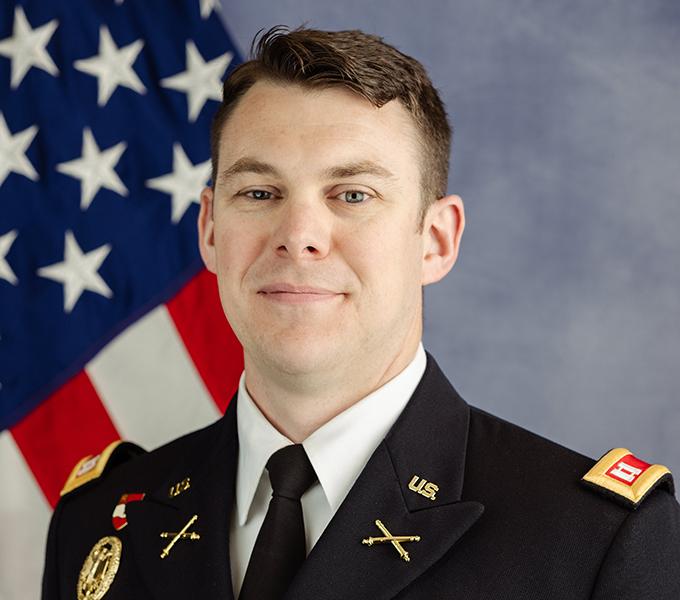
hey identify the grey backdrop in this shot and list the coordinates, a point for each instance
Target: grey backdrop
(562, 314)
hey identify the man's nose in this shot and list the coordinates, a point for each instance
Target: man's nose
(303, 229)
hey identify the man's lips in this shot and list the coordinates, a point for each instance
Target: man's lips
(288, 288)
(296, 294)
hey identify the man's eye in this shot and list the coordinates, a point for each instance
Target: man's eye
(259, 194)
(354, 196)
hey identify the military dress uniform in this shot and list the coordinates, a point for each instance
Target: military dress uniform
(469, 506)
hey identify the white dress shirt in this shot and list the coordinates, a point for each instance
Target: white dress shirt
(338, 451)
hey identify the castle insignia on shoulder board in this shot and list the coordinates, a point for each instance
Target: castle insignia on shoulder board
(92, 467)
(625, 478)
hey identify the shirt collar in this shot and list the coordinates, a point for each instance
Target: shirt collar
(338, 451)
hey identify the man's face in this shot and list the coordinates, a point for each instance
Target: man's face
(313, 232)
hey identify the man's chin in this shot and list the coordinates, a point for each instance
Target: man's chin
(303, 356)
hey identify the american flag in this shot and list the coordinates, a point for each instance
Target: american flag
(109, 326)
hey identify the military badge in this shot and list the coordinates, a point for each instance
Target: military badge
(99, 569)
(183, 534)
(395, 540)
(119, 518)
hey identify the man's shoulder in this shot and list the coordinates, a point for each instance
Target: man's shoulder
(611, 524)
(508, 465)
(506, 456)
(523, 447)
(123, 465)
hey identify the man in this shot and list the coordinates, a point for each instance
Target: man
(347, 466)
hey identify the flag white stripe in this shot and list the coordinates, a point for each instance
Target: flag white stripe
(149, 384)
(24, 520)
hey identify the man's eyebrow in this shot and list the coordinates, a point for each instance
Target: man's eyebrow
(344, 171)
(248, 165)
(362, 167)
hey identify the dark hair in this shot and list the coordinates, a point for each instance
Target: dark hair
(355, 60)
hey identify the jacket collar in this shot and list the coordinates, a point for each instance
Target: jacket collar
(428, 441)
(192, 566)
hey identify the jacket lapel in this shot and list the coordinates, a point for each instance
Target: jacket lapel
(191, 566)
(428, 443)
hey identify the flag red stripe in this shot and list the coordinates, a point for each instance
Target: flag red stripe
(69, 425)
(212, 345)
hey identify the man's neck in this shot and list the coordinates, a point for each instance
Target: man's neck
(298, 406)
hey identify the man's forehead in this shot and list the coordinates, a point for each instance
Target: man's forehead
(336, 127)
(267, 104)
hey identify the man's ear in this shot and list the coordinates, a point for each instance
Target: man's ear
(442, 231)
(206, 230)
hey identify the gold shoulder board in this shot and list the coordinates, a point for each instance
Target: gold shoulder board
(92, 467)
(625, 478)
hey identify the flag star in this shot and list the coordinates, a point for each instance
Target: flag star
(207, 6)
(13, 151)
(95, 169)
(184, 184)
(78, 271)
(201, 81)
(27, 47)
(6, 242)
(112, 66)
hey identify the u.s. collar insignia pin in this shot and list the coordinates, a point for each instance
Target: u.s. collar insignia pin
(99, 569)
(423, 487)
(180, 487)
(395, 540)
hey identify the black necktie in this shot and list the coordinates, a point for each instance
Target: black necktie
(280, 546)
